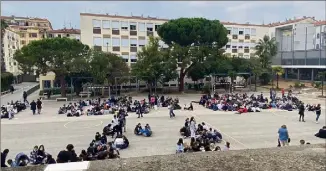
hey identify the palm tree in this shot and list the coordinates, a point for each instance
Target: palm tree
(266, 49)
(322, 76)
(4, 25)
(278, 71)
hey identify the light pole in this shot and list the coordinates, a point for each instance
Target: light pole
(107, 46)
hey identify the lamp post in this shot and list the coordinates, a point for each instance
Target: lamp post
(107, 46)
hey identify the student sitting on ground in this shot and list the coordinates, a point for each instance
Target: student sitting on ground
(147, 132)
(108, 130)
(321, 133)
(191, 107)
(35, 159)
(121, 142)
(180, 147)
(138, 129)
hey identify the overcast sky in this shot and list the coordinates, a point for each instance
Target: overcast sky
(61, 12)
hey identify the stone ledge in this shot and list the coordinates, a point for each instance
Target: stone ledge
(293, 158)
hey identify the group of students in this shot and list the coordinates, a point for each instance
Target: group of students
(203, 138)
(12, 108)
(146, 131)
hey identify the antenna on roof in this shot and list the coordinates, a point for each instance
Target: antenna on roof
(70, 24)
(64, 24)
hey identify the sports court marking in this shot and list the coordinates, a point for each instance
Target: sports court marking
(237, 141)
(65, 125)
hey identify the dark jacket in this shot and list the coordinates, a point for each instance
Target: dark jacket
(321, 133)
(3, 160)
(39, 104)
(33, 106)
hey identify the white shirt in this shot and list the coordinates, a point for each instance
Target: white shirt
(115, 121)
(205, 127)
(193, 125)
(118, 141)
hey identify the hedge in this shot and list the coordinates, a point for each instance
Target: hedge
(6, 81)
(54, 91)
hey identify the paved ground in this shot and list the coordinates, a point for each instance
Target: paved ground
(252, 130)
(18, 93)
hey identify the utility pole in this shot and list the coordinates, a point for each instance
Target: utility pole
(107, 46)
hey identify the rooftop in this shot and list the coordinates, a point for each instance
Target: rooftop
(26, 18)
(288, 21)
(66, 30)
(319, 23)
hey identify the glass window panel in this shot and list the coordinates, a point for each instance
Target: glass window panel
(97, 41)
(247, 31)
(106, 24)
(115, 24)
(106, 41)
(125, 42)
(115, 41)
(97, 23)
(141, 26)
(253, 32)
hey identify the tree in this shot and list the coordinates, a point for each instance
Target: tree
(279, 71)
(6, 81)
(197, 72)
(59, 55)
(4, 25)
(192, 41)
(256, 69)
(266, 49)
(153, 64)
(322, 77)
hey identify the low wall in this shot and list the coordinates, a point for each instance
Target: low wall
(293, 158)
(33, 89)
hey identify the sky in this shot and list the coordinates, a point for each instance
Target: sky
(66, 13)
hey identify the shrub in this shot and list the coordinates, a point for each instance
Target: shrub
(189, 86)
(302, 85)
(6, 81)
(265, 78)
(207, 89)
(317, 84)
(54, 91)
(297, 85)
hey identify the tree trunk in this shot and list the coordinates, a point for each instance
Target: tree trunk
(277, 81)
(102, 91)
(63, 85)
(231, 85)
(322, 87)
(255, 82)
(181, 80)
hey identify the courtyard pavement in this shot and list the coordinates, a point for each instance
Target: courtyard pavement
(18, 93)
(250, 130)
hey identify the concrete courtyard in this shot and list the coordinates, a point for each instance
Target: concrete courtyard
(251, 130)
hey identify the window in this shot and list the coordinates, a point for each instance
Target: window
(22, 35)
(97, 41)
(125, 42)
(50, 35)
(125, 57)
(149, 27)
(96, 23)
(68, 35)
(141, 26)
(241, 31)
(241, 40)
(115, 25)
(247, 37)
(253, 41)
(246, 50)
(235, 37)
(227, 46)
(33, 35)
(133, 26)
(234, 50)
(229, 30)
(133, 58)
(106, 42)
(317, 35)
(253, 32)
(115, 41)
(124, 25)
(133, 42)
(234, 47)
(317, 46)
(247, 31)
(235, 31)
(141, 42)
(157, 26)
(246, 47)
(23, 42)
(240, 47)
(106, 24)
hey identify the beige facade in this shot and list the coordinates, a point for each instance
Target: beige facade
(70, 33)
(117, 34)
(10, 44)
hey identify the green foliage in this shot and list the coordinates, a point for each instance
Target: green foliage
(106, 66)
(297, 85)
(197, 72)
(278, 70)
(6, 81)
(55, 91)
(317, 84)
(266, 49)
(59, 55)
(154, 64)
(265, 78)
(193, 42)
(207, 89)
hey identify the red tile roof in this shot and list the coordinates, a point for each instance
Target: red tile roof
(27, 18)
(319, 23)
(65, 30)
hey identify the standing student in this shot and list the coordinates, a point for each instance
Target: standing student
(33, 106)
(25, 96)
(301, 113)
(170, 107)
(39, 106)
(192, 127)
(283, 135)
(318, 112)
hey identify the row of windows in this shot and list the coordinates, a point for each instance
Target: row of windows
(241, 31)
(124, 42)
(124, 25)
